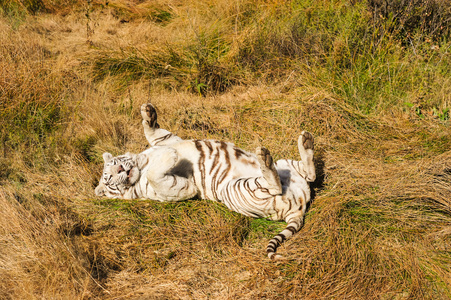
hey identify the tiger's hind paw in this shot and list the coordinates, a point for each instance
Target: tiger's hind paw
(269, 170)
(149, 115)
(305, 146)
(265, 157)
(307, 140)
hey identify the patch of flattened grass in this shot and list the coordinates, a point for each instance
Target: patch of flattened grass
(154, 231)
(263, 228)
(437, 145)
(391, 230)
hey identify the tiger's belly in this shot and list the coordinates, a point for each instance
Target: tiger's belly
(211, 180)
(215, 164)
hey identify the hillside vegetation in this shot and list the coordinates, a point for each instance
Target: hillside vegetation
(371, 80)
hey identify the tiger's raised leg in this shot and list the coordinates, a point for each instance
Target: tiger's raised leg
(295, 176)
(154, 134)
(269, 171)
(306, 146)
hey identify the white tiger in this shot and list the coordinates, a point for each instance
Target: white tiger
(173, 169)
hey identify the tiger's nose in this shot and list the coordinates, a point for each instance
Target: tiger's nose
(120, 169)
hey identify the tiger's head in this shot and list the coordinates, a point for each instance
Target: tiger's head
(120, 173)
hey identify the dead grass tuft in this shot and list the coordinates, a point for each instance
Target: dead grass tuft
(39, 256)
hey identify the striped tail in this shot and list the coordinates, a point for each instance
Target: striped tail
(292, 227)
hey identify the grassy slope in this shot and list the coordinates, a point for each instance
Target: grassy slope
(374, 92)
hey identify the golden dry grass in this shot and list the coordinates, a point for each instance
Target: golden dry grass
(379, 225)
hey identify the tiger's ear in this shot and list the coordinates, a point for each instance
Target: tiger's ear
(100, 191)
(107, 157)
(141, 161)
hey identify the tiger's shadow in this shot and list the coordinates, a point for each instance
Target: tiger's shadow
(318, 185)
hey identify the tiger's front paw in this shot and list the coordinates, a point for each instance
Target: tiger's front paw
(149, 115)
(167, 158)
(161, 162)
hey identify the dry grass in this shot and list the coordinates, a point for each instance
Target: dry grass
(379, 225)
